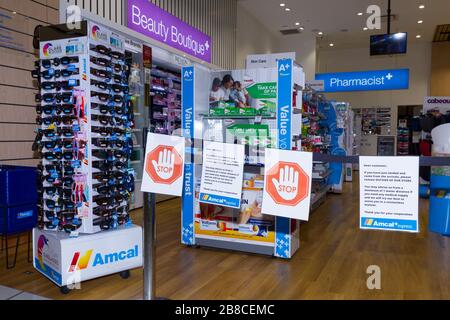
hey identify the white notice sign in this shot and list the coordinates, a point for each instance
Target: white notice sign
(287, 184)
(222, 174)
(389, 193)
(164, 165)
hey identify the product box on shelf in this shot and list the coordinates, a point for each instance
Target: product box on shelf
(67, 261)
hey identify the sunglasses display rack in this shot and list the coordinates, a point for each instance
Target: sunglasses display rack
(85, 116)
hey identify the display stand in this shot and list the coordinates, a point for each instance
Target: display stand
(268, 117)
(85, 141)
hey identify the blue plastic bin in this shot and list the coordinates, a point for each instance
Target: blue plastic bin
(17, 185)
(18, 219)
(18, 199)
(439, 218)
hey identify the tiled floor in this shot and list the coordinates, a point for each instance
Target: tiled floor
(7, 293)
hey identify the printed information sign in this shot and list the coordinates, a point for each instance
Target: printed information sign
(389, 193)
(222, 174)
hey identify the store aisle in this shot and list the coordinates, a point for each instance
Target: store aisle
(331, 264)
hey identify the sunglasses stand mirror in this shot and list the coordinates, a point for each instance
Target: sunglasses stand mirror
(85, 118)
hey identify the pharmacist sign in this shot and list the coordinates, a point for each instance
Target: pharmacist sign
(164, 165)
(151, 21)
(287, 184)
(394, 79)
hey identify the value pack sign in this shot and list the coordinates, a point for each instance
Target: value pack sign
(164, 165)
(287, 184)
(389, 193)
(396, 79)
(222, 174)
(148, 19)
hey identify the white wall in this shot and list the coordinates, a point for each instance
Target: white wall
(304, 45)
(418, 60)
(252, 37)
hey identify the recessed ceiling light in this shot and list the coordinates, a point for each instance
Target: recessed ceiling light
(297, 23)
(421, 6)
(420, 21)
(287, 9)
(331, 44)
(14, 12)
(365, 28)
(282, 4)
(418, 36)
(301, 28)
(320, 33)
(360, 13)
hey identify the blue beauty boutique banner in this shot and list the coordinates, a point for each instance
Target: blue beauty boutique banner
(396, 79)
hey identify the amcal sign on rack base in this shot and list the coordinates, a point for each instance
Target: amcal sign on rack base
(287, 184)
(148, 19)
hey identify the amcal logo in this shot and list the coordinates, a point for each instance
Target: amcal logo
(81, 262)
(49, 49)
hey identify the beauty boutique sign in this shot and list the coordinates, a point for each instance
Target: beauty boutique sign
(150, 20)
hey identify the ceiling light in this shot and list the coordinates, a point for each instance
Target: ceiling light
(301, 28)
(287, 9)
(320, 33)
(331, 44)
(418, 36)
(297, 23)
(360, 13)
(420, 21)
(14, 12)
(282, 4)
(421, 6)
(365, 28)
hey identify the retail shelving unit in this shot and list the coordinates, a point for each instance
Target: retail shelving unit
(270, 117)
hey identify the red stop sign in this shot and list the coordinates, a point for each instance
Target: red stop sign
(164, 164)
(287, 194)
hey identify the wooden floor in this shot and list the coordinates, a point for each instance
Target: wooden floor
(330, 264)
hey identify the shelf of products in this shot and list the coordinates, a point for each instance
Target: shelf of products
(165, 109)
(377, 120)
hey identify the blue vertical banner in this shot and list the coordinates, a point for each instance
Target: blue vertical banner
(187, 125)
(284, 122)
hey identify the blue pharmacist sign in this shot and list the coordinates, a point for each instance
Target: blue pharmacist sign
(397, 79)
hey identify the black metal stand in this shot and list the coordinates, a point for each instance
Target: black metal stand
(6, 247)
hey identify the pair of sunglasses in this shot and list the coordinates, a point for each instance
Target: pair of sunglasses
(67, 120)
(106, 143)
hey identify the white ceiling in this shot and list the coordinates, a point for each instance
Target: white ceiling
(331, 16)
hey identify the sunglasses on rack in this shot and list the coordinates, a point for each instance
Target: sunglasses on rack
(104, 120)
(106, 177)
(104, 223)
(102, 74)
(50, 74)
(69, 227)
(52, 144)
(109, 165)
(52, 204)
(66, 97)
(101, 61)
(69, 72)
(104, 97)
(48, 63)
(109, 154)
(105, 143)
(69, 60)
(100, 49)
(67, 120)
